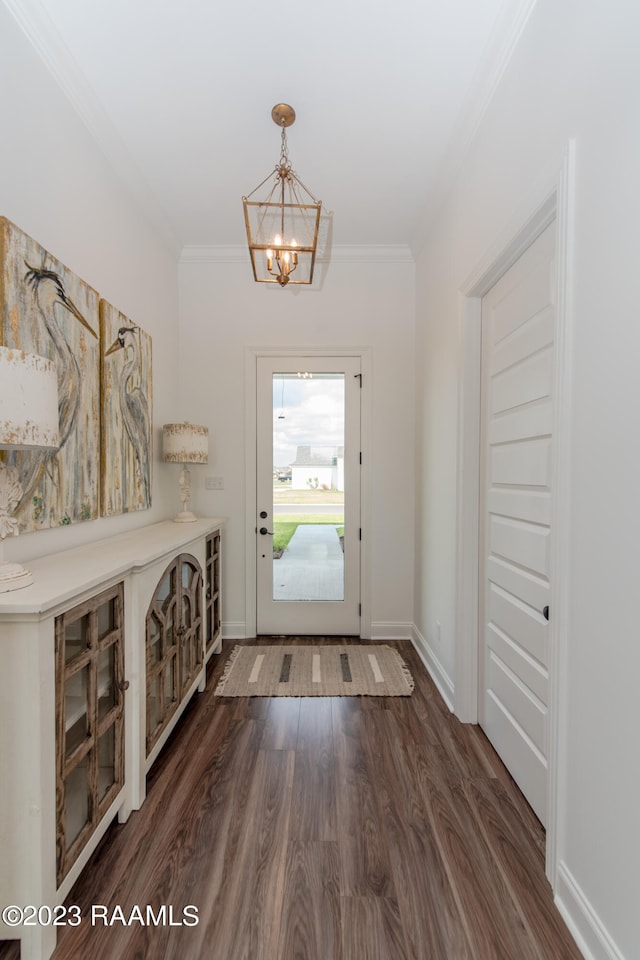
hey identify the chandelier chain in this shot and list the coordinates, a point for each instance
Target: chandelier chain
(284, 166)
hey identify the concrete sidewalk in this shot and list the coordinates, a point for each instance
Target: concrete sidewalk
(312, 566)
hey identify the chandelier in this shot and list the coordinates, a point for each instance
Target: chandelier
(282, 228)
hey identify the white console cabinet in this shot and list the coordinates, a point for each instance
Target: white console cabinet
(99, 657)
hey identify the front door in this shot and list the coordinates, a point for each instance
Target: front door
(518, 330)
(308, 495)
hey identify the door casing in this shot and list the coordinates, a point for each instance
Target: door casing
(306, 616)
(555, 200)
(251, 353)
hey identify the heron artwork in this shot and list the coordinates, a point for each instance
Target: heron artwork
(48, 289)
(130, 374)
(48, 310)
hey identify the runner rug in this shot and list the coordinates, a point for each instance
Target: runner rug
(315, 671)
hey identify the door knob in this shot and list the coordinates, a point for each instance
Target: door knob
(545, 613)
(264, 531)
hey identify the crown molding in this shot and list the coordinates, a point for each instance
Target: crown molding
(238, 253)
(497, 56)
(43, 35)
(498, 53)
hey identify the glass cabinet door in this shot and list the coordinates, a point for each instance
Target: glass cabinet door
(162, 634)
(191, 605)
(89, 719)
(213, 590)
(174, 642)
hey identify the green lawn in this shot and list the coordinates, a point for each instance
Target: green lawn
(286, 525)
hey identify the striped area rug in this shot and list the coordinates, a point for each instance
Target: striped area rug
(315, 671)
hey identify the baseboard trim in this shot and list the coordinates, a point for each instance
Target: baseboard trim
(438, 674)
(390, 631)
(234, 630)
(586, 928)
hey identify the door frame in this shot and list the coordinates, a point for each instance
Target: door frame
(553, 202)
(251, 426)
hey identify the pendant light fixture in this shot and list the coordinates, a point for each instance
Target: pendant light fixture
(282, 227)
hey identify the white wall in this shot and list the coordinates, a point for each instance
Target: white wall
(223, 312)
(56, 185)
(575, 74)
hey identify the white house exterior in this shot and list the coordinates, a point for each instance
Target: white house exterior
(318, 467)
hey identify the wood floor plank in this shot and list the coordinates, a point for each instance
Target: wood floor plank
(311, 907)
(246, 923)
(372, 930)
(501, 824)
(325, 829)
(314, 805)
(315, 725)
(281, 723)
(366, 870)
(492, 921)
(196, 822)
(9, 950)
(430, 912)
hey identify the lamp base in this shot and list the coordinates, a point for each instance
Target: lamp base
(13, 577)
(185, 516)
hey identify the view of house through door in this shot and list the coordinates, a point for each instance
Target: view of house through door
(308, 495)
(518, 332)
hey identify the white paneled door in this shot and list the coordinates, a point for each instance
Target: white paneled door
(518, 322)
(308, 495)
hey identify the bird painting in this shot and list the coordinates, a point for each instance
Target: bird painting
(48, 289)
(48, 310)
(126, 446)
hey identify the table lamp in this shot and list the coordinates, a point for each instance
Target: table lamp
(185, 443)
(28, 421)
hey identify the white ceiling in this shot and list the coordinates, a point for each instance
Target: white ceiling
(179, 94)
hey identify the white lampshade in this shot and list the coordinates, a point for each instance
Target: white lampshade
(28, 419)
(185, 443)
(28, 401)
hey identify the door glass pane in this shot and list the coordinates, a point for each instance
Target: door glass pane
(168, 627)
(106, 761)
(188, 574)
(76, 722)
(77, 637)
(170, 685)
(154, 715)
(167, 587)
(187, 619)
(308, 486)
(106, 618)
(107, 698)
(154, 635)
(77, 811)
(185, 653)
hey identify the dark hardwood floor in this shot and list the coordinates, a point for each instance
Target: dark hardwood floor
(325, 829)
